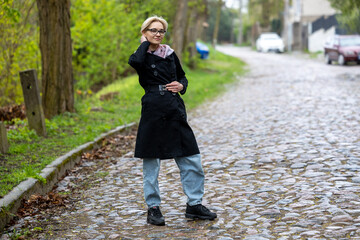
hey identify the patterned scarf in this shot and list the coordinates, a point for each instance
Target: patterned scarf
(162, 51)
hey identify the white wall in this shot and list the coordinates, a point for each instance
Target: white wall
(316, 8)
(318, 38)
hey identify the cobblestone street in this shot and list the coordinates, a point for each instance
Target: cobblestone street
(281, 154)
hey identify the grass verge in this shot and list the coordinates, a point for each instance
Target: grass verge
(114, 105)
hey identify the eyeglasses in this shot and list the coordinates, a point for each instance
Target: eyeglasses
(154, 31)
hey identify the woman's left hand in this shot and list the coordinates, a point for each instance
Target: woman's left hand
(174, 87)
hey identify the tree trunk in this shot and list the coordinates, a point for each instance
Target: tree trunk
(195, 22)
(240, 37)
(217, 22)
(202, 25)
(56, 57)
(266, 11)
(191, 36)
(179, 27)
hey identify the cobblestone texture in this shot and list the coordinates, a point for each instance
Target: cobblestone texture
(281, 153)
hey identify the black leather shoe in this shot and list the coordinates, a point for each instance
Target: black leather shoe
(199, 211)
(155, 216)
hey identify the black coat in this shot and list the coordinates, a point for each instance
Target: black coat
(163, 129)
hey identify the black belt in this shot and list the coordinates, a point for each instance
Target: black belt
(158, 88)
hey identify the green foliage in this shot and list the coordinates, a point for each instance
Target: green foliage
(246, 29)
(9, 11)
(101, 174)
(225, 26)
(265, 11)
(22, 132)
(105, 33)
(19, 46)
(31, 172)
(350, 14)
(18, 234)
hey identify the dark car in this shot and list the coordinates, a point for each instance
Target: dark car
(342, 49)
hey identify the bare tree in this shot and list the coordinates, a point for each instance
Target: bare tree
(56, 57)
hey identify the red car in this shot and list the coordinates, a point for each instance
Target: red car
(342, 49)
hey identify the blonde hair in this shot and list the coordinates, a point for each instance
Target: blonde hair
(152, 19)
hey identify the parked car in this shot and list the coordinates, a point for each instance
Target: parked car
(269, 42)
(342, 49)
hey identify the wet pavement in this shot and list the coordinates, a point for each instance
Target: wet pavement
(281, 154)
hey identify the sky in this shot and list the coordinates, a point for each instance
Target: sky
(234, 3)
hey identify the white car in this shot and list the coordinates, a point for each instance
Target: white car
(269, 42)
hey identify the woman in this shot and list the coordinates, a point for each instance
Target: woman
(163, 131)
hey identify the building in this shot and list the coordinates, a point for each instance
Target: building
(308, 23)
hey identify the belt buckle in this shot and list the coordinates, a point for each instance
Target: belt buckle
(162, 88)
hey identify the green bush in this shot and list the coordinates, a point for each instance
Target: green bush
(19, 47)
(105, 33)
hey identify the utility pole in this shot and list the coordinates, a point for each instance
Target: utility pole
(287, 32)
(240, 37)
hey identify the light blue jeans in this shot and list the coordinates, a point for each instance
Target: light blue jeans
(192, 179)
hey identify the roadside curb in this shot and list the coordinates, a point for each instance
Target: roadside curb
(11, 202)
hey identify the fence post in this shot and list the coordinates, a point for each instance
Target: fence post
(34, 111)
(4, 146)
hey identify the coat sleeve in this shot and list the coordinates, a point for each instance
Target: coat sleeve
(137, 59)
(180, 74)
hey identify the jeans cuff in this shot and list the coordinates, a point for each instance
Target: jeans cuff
(193, 203)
